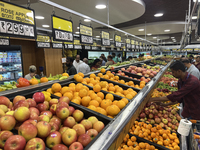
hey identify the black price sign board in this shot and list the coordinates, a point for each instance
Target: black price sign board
(4, 41)
(128, 44)
(68, 45)
(86, 33)
(118, 41)
(43, 41)
(56, 44)
(17, 21)
(62, 29)
(105, 38)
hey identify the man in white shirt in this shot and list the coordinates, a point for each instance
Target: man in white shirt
(77, 62)
(84, 67)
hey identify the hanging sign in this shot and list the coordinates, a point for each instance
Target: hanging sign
(77, 44)
(105, 38)
(4, 41)
(56, 44)
(118, 41)
(86, 34)
(132, 44)
(17, 20)
(62, 29)
(144, 46)
(140, 45)
(128, 43)
(136, 46)
(43, 41)
(68, 45)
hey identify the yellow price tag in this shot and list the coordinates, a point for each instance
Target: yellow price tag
(41, 38)
(85, 30)
(117, 38)
(62, 24)
(105, 35)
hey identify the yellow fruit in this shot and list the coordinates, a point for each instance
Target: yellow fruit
(92, 75)
(94, 103)
(65, 89)
(69, 95)
(100, 74)
(97, 88)
(79, 78)
(81, 74)
(129, 96)
(65, 74)
(92, 107)
(112, 110)
(83, 92)
(101, 95)
(121, 104)
(110, 96)
(58, 94)
(72, 85)
(103, 70)
(85, 101)
(56, 87)
(125, 100)
(76, 101)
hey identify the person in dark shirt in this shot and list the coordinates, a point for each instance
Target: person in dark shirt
(104, 58)
(71, 69)
(188, 92)
(191, 59)
(197, 62)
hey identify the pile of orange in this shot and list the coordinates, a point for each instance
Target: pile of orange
(93, 99)
(156, 134)
(130, 143)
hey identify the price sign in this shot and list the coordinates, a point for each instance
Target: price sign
(68, 45)
(103, 48)
(4, 41)
(144, 46)
(87, 47)
(128, 44)
(62, 29)
(43, 41)
(118, 41)
(56, 44)
(105, 38)
(17, 21)
(86, 34)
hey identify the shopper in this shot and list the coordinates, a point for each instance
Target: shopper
(110, 61)
(103, 62)
(130, 58)
(114, 58)
(188, 92)
(191, 59)
(96, 64)
(77, 62)
(191, 69)
(32, 73)
(84, 67)
(71, 70)
(197, 62)
(104, 58)
(119, 58)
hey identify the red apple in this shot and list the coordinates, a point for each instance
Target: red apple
(4, 101)
(34, 110)
(78, 115)
(53, 108)
(42, 107)
(80, 129)
(62, 112)
(44, 118)
(69, 122)
(69, 136)
(4, 108)
(15, 142)
(63, 104)
(31, 102)
(21, 114)
(63, 129)
(48, 113)
(87, 124)
(4, 135)
(56, 120)
(34, 116)
(28, 131)
(22, 103)
(47, 104)
(39, 97)
(84, 139)
(18, 98)
(76, 146)
(35, 144)
(11, 106)
(64, 99)
(43, 128)
(53, 139)
(54, 126)
(33, 122)
(93, 119)
(92, 133)
(53, 101)
(71, 110)
(59, 147)
(98, 126)
(7, 122)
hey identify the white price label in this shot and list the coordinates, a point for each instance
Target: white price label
(118, 44)
(65, 36)
(105, 42)
(86, 39)
(3, 27)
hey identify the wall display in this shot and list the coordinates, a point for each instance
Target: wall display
(68, 45)
(118, 41)
(17, 20)
(4, 41)
(77, 44)
(43, 41)
(128, 44)
(86, 34)
(56, 44)
(133, 45)
(105, 38)
(62, 29)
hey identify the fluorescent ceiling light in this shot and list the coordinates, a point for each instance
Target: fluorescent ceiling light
(87, 20)
(172, 37)
(101, 6)
(141, 30)
(45, 26)
(167, 30)
(158, 15)
(97, 36)
(77, 32)
(194, 17)
(111, 39)
(149, 34)
(77, 27)
(154, 37)
(39, 17)
(196, 0)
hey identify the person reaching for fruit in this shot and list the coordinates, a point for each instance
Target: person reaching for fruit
(188, 92)
(32, 73)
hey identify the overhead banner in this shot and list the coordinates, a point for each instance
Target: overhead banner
(86, 34)
(128, 43)
(62, 29)
(4, 41)
(68, 45)
(118, 41)
(17, 21)
(105, 38)
(77, 44)
(43, 41)
(56, 44)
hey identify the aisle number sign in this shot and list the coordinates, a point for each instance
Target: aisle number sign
(105, 38)
(4, 41)
(43, 41)
(118, 41)
(62, 29)
(86, 34)
(17, 20)
(128, 43)
(56, 44)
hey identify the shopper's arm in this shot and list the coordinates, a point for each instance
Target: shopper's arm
(159, 99)
(168, 104)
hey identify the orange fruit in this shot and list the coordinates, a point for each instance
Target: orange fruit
(75, 101)
(160, 143)
(105, 104)
(100, 74)
(87, 80)
(94, 103)
(83, 92)
(104, 89)
(92, 107)
(94, 82)
(65, 89)
(122, 81)
(111, 88)
(142, 82)
(97, 88)
(98, 99)
(119, 89)
(58, 94)
(142, 145)
(72, 85)
(142, 85)
(133, 138)
(43, 79)
(85, 101)
(76, 93)
(101, 111)
(130, 83)
(85, 87)
(81, 74)
(72, 89)
(130, 143)
(112, 110)
(69, 95)
(50, 90)
(121, 104)
(92, 75)
(106, 76)
(176, 147)
(98, 78)
(110, 116)
(115, 103)
(90, 84)
(84, 82)
(77, 97)
(103, 70)
(129, 96)
(110, 96)
(75, 76)
(93, 96)
(78, 87)
(56, 87)
(90, 92)
(125, 100)
(116, 78)
(101, 95)
(79, 78)
(166, 143)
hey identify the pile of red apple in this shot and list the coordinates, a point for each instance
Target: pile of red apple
(40, 123)
(164, 116)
